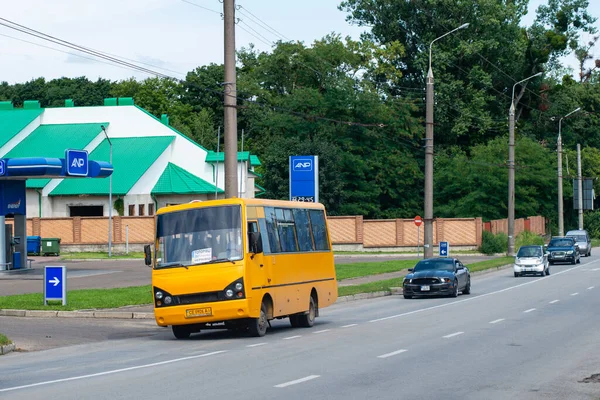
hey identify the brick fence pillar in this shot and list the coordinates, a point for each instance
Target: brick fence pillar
(117, 231)
(36, 227)
(76, 229)
(359, 229)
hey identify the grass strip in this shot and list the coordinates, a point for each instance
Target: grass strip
(4, 340)
(100, 255)
(356, 270)
(385, 285)
(82, 299)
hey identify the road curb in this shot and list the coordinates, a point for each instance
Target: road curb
(363, 296)
(7, 348)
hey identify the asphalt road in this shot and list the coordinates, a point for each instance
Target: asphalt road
(521, 338)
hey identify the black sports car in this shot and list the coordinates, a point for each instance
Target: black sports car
(437, 277)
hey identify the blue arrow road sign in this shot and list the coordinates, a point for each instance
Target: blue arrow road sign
(444, 249)
(2, 167)
(55, 284)
(77, 162)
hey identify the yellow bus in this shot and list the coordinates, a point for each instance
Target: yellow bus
(239, 263)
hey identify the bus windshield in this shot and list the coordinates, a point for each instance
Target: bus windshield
(199, 236)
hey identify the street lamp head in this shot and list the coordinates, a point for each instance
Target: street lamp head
(463, 26)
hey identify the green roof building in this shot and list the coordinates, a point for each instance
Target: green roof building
(154, 164)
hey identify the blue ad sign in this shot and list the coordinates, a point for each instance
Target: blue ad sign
(12, 197)
(77, 162)
(304, 178)
(2, 167)
(55, 284)
(444, 249)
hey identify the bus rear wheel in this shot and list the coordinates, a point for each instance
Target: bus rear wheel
(307, 320)
(181, 331)
(258, 326)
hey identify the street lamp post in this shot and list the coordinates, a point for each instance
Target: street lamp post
(561, 222)
(110, 206)
(428, 212)
(511, 169)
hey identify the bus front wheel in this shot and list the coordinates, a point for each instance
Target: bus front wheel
(307, 320)
(258, 326)
(181, 331)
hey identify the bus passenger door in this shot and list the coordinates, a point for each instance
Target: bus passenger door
(259, 271)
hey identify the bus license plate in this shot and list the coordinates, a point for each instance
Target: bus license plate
(198, 312)
(425, 288)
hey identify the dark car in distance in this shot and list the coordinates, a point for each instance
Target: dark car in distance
(441, 276)
(563, 249)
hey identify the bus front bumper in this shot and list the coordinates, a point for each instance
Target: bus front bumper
(202, 313)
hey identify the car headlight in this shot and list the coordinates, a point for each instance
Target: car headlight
(406, 281)
(570, 252)
(446, 280)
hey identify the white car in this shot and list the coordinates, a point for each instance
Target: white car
(531, 260)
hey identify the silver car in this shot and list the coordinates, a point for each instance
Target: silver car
(531, 260)
(583, 240)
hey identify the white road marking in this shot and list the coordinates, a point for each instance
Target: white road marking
(590, 288)
(290, 383)
(256, 344)
(471, 297)
(554, 301)
(496, 321)
(292, 337)
(574, 294)
(322, 330)
(453, 334)
(393, 353)
(596, 269)
(115, 371)
(530, 310)
(348, 326)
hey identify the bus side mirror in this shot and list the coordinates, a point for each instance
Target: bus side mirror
(255, 243)
(148, 254)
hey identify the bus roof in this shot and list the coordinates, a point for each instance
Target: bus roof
(235, 200)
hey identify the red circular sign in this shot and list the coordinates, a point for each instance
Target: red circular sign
(418, 221)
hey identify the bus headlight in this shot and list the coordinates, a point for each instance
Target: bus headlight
(158, 295)
(229, 293)
(239, 286)
(168, 300)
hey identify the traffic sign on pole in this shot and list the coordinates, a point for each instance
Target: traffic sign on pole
(55, 284)
(418, 221)
(444, 249)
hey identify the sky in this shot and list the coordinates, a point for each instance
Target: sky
(170, 34)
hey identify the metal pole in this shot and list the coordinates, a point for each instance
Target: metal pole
(241, 166)
(511, 170)
(418, 239)
(3, 265)
(428, 201)
(217, 177)
(561, 222)
(511, 180)
(561, 215)
(230, 100)
(579, 187)
(110, 207)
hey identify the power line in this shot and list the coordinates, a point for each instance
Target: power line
(204, 8)
(102, 55)
(261, 22)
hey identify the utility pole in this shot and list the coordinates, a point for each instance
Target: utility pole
(511, 169)
(579, 187)
(428, 200)
(230, 101)
(561, 221)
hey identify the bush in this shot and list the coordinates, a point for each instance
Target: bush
(526, 238)
(591, 222)
(491, 244)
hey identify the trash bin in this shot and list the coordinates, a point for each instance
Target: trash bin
(17, 260)
(33, 245)
(51, 246)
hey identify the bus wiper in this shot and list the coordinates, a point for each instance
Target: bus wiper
(220, 260)
(173, 264)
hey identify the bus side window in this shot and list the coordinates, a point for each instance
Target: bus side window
(252, 227)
